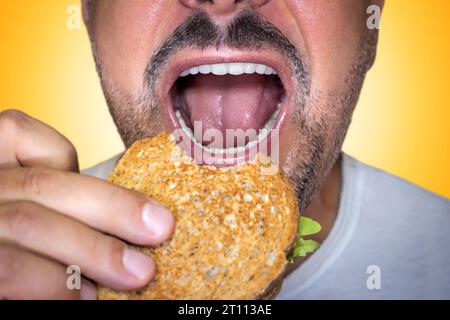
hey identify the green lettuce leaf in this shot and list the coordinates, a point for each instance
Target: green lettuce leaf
(303, 247)
(307, 227)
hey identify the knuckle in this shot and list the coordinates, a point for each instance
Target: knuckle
(22, 219)
(9, 265)
(69, 155)
(114, 253)
(35, 181)
(119, 199)
(11, 120)
(107, 252)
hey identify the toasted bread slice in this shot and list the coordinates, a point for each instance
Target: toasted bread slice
(234, 226)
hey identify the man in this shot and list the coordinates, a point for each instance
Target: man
(230, 65)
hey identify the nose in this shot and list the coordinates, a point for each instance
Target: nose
(222, 7)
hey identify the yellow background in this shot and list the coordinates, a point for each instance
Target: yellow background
(401, 123)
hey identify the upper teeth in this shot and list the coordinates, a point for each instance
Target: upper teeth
(234, 68)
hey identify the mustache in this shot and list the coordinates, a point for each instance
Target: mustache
(247, 31)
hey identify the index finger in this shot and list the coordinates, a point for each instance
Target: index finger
(28, 142)
(128, 214)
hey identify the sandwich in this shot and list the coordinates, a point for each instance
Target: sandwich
(236, 229)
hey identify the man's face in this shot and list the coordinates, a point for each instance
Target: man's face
(320, 51)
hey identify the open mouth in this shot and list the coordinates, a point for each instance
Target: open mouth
(228, 110)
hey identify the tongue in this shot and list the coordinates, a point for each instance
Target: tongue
(231, 102)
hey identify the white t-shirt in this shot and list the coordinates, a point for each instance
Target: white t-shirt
(390, 240)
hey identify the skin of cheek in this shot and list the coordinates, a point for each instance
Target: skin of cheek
(290, 143)
(331, 32)
(311, 26)
(126, 33)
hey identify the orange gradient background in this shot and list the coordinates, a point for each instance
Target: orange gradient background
(401, 123)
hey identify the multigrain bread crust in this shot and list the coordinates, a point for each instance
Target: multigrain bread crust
(234, 226)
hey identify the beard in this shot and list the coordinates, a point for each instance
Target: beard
(319, 122)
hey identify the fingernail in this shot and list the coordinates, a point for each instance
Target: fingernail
(158, 220)
(88, 291)
(138, 264)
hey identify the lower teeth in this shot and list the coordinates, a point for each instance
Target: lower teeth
(263, 133)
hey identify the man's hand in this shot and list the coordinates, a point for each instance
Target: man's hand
(52, 217)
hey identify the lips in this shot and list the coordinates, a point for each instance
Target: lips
(227, 96)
